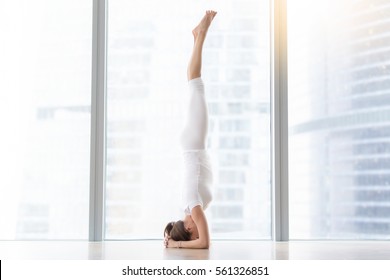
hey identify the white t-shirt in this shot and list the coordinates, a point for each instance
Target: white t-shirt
(197, 181)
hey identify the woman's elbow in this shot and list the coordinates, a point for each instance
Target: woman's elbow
(204, 244)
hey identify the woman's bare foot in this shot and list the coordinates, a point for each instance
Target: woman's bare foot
(204, 24)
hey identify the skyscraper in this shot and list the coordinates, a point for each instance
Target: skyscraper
(344, 82)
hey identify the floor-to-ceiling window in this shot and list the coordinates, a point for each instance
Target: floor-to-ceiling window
(338, 102)
(149, 45)
(45, 90)
(339, 119)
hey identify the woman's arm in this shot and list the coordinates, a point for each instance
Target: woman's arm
(203, 242)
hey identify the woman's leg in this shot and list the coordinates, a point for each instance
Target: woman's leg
(196, 126)
(200, 32)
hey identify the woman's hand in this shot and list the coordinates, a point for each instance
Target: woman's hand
(166, 241)
(170, 243)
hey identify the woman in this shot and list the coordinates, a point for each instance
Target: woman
(192, 231)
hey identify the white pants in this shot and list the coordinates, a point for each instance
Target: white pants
(198, 175)
(196, 124)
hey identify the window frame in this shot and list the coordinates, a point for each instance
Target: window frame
(279, 121)
(98, 121)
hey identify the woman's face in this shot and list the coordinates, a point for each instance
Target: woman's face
(191, 227)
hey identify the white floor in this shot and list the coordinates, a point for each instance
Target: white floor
(219, 250)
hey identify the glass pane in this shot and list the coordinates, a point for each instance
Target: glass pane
(339, 119)
(149, 45)
(45, 79)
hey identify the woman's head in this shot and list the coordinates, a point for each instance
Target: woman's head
(177, 231)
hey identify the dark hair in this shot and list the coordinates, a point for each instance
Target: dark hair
(168, 228)
(177, 231)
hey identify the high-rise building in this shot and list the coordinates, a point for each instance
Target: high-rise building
(344, 82)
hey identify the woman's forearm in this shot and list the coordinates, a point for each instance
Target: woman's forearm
(195, 244)
(192, 244)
